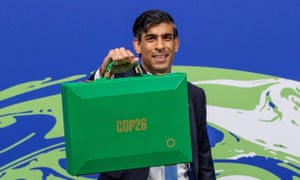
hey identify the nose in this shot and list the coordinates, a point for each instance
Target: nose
(160, 44)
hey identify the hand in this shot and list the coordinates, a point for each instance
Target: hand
(123, 60)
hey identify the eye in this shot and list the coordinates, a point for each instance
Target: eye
(168, 37)
(150, 38)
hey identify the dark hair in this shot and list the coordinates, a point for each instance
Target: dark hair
(150, 18)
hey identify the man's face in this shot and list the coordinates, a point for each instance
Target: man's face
(157, 48)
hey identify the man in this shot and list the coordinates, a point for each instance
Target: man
(156, 42)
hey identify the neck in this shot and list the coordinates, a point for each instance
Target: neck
(145, 70)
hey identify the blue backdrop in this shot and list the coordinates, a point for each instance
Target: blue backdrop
(59, 39)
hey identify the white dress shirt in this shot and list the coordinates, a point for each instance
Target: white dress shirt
(158, 172)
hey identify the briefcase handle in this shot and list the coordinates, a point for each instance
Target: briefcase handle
(118, 67)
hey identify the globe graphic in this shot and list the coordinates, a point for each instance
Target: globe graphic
(253, 122)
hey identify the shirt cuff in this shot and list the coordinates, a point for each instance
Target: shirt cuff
(97, 74)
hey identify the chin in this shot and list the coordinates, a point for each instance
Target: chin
(162, 70)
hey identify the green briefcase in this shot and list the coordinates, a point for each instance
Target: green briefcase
(126, 123)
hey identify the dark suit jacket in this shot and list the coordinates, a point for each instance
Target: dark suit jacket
(202, 165)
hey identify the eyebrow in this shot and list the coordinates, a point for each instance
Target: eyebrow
(165, 34)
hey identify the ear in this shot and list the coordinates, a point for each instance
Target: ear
(137, 46)
(177, 42)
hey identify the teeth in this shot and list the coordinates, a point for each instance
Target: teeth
(159, 56)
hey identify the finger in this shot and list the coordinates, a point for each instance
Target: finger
(122, 55)
(122, 52)
(114, 54)
(118, 54)
(132, 58)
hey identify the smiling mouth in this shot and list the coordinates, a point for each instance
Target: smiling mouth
(160, 58)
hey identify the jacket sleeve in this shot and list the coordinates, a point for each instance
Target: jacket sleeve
(205, 162)
(92, 76)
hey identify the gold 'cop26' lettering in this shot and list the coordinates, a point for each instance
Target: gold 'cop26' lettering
(131, 125)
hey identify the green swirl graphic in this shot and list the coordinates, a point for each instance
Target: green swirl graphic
(247, 109)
